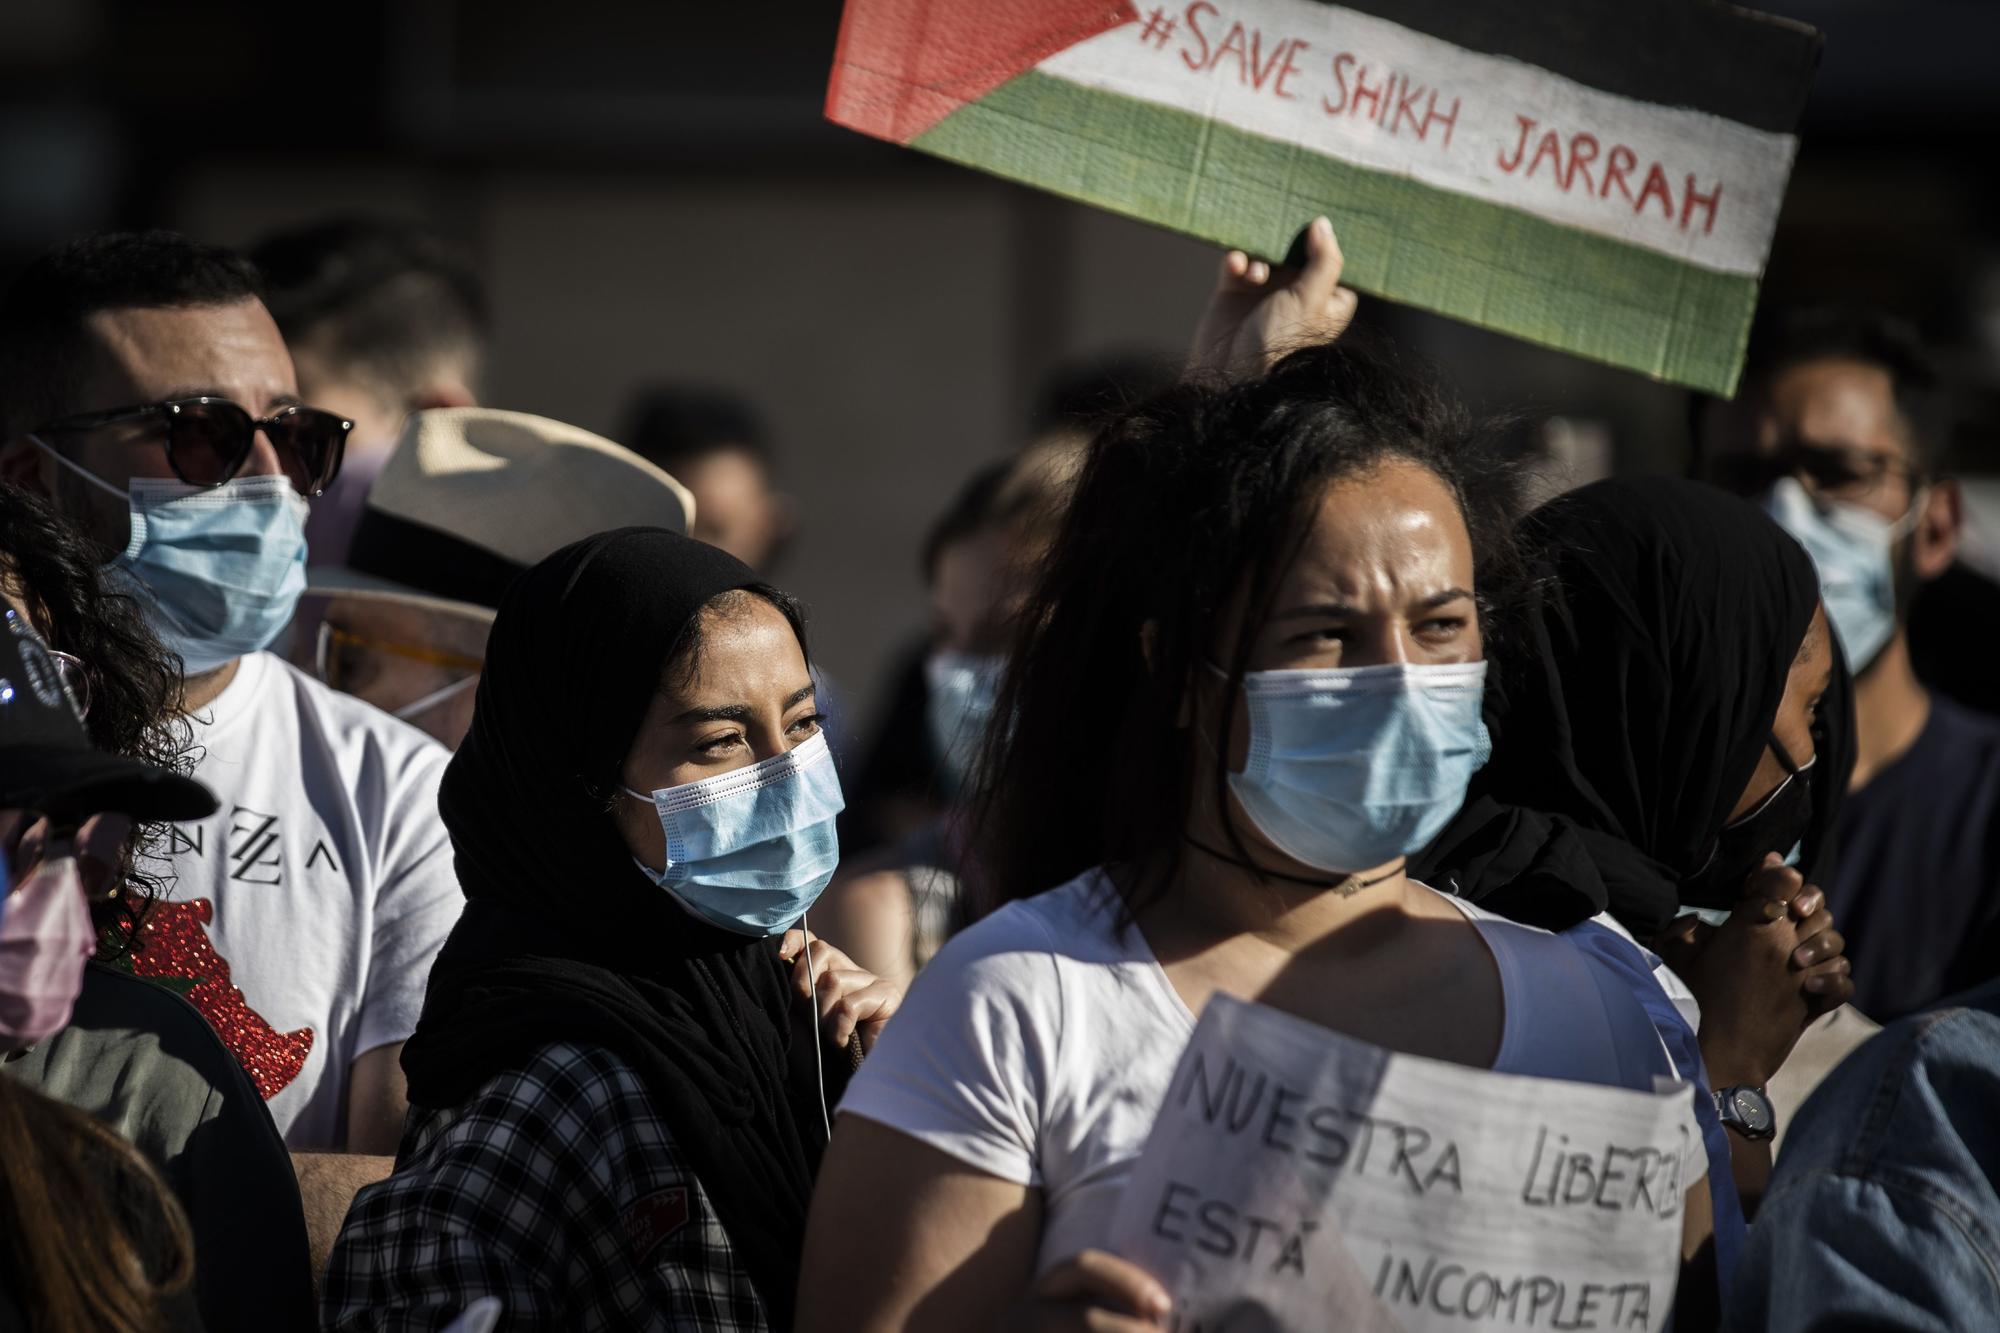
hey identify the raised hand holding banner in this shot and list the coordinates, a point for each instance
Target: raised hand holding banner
(1605, 179)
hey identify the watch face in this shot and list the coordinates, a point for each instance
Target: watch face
(1752, 1109)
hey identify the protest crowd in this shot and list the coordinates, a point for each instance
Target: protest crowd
(444, 891)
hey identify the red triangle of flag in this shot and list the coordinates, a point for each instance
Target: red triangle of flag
(904, 65)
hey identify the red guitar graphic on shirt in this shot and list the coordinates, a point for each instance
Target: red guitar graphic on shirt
(174, 948)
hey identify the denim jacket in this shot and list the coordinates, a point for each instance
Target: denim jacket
(1884, 1211)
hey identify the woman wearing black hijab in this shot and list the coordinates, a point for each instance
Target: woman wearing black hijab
(1676, 721)
(617, 1104)
(1664, 622)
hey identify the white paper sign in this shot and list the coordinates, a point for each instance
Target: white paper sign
(1298, 1179)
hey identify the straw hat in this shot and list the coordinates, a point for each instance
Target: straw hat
(473, 497)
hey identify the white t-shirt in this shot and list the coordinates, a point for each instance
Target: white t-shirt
(1038, 1046)
(303, 916)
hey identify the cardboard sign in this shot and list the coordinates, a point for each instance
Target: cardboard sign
(1600, 178)
(1299, 1179)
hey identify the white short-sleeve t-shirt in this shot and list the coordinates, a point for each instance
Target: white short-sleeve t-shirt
(1039, 1045)
(302, 917)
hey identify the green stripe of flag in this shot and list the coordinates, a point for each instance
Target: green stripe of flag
(1445, 252)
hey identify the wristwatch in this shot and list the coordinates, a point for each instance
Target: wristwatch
(1745, 1109)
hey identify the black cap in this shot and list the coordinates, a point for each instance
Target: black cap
(47, 762)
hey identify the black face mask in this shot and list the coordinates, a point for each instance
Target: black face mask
(1776, 825)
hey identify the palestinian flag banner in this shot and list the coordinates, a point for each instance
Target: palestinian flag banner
(1599, 177)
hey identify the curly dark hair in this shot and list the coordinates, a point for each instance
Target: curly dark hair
(1197, 498)
(135, 682)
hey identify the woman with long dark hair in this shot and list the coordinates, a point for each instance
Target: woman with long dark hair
(1248, 688)
(893, 908)
(618, 1083)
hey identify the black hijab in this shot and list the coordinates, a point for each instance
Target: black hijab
(565, 939)
(1662, 624)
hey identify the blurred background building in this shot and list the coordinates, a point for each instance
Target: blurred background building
(652, 195)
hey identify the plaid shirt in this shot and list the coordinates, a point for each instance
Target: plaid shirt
(558, 1189)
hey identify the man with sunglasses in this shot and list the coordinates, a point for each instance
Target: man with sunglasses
(145, 387)
(1837, 431)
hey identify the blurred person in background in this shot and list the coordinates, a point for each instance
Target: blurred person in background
(90, 1237)
(471, 499)
(715, 444)
(146, 388)
(890, 911)
(134, 1055)
(383, 319)
(903, 784)
(624, 1062)
(1839, 431)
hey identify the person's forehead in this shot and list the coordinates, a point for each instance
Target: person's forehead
(725, 473)
(1392, 515)
(751, 652)
(146, 353)
(1814, 659)
(974, 560)
(1837, 401)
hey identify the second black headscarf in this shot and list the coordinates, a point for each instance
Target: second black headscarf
(1662, 625)
(564, 939)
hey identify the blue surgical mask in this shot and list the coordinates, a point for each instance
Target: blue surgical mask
(750, 850)
(1352, 767)
(1854, 551)
(960, 693)
(218, 570)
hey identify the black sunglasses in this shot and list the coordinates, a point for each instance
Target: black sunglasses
(209, 439)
